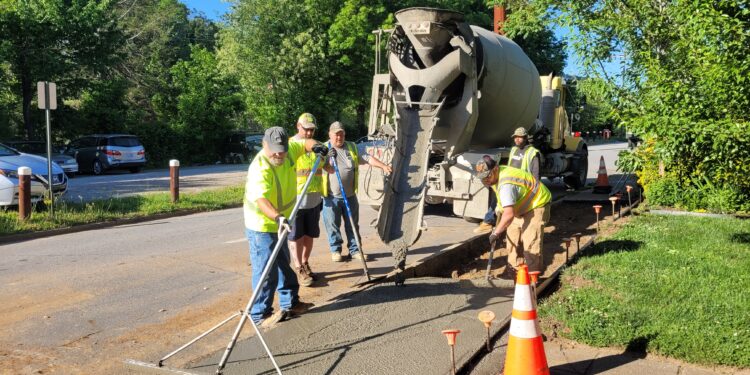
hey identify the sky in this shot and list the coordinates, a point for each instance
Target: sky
(214, 9)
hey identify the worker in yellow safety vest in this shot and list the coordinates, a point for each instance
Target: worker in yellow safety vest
(523, 156)
(306, 225)
(525, 211)
(348, 161)
(270, 196)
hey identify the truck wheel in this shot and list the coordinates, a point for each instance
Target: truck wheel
(580, 167)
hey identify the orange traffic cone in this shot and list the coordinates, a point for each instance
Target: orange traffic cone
(602, 181)
(525, 354)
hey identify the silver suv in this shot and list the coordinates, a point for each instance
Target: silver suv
(98, 153)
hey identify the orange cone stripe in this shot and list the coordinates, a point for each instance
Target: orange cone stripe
(524, 315)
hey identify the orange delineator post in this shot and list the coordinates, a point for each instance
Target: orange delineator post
(525, 354)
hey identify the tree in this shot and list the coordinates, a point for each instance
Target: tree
(684, 88)
(206, 103)
(69, 42)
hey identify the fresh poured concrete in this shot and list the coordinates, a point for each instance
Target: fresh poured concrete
(383, 330)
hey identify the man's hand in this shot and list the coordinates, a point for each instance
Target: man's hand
(332, 152)
(320, 149)
(283, 224)
(494, 236)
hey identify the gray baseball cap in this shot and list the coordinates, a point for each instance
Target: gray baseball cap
(336, 127)
(276, 139)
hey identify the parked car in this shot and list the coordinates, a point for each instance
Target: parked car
(11, 160)
(67, 162)
(98, 153)
(241, 146)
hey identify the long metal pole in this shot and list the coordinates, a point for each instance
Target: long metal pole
(202, 335)
(489, 261)
(351, 218)
(263, 277)
(49, 150)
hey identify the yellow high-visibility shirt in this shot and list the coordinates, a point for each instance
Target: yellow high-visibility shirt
(277, 184)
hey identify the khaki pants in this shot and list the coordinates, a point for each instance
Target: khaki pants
(525, 238)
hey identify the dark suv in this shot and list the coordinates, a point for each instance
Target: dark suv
(241, 146)
(97, 153)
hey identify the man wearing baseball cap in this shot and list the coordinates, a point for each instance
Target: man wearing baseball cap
(306, 225)
(348, 161)
(525, 211)
(270, 195)
(523, 156)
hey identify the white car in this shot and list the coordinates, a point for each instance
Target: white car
(11, 160)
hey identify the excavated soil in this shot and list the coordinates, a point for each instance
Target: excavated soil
(566, 219)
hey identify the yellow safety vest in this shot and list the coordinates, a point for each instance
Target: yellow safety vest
(277, 184)
(304, 166)
(533, 194)
(528, 156)
(355, 160)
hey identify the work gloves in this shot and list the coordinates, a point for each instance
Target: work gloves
(283, 225)
(324, 151)
(493, 237)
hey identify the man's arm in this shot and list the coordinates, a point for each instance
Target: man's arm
(267, 208)
(371, 160)
(505, 219)
(535, 166)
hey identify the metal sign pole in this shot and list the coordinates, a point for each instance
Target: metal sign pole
(49, 150)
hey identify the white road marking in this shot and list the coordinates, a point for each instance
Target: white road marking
(236, 241)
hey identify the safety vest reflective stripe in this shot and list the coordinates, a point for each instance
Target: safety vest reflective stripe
(306, 172)
(524, 329)
(528, 155)
(280, 205)
(532, 193)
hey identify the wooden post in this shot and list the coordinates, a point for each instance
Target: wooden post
(499, 13)
(24, 193)
(174, 179)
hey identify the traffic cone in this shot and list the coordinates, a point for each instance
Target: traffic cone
(602, 181)
(525, 354)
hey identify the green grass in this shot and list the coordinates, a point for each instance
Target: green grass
(675, 286)
(69, 214)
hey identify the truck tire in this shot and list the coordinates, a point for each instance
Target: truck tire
(579, 167)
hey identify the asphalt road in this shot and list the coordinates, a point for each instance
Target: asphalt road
(76, 290)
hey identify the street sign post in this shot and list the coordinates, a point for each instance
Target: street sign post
(47, 98)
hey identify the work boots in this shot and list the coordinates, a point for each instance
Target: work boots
(309, 271)
(483, 228)
(303, 278)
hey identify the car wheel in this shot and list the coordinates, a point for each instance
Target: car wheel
(97, 168)
(135, 170)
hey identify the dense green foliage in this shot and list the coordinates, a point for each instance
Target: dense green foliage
(683, 86)
(665, 285)
(179, 80)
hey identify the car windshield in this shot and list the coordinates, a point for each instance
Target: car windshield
(124, 142)
(32, 147)
(7, 151)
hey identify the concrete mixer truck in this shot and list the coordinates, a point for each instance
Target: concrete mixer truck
(452, 93)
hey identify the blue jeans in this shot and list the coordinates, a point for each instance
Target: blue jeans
(281, 278)
(490, 217)
(333, 212)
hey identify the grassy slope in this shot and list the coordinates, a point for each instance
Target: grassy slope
(677, 286)
(68, 214)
